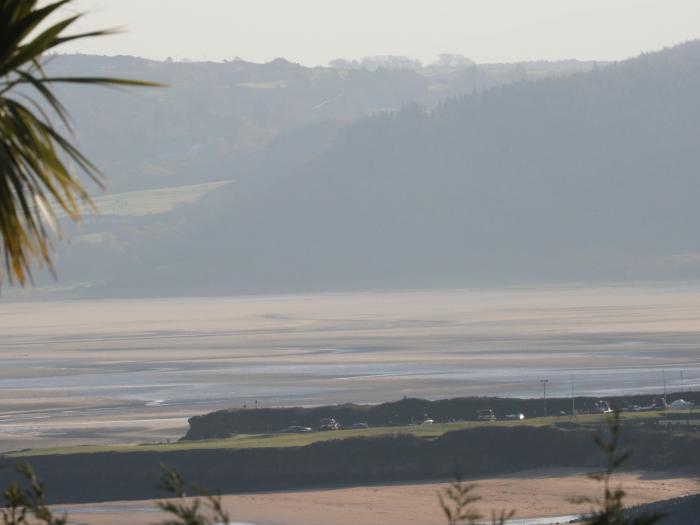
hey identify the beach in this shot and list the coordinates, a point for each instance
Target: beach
(532, 494)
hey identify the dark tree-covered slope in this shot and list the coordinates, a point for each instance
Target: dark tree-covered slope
(587, 177)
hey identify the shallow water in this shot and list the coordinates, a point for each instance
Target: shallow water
(552, 520)
(106, 509)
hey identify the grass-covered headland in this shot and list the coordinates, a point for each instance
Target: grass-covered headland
(261, 462)
(228, 423)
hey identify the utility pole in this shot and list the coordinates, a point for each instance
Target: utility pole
(682, 389)
(663, 376)
(544, 394)
(573, 399)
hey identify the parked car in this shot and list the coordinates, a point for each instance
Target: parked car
(485, 415)
(658, 404)
(681, 404)
(427, 421)
(515, 417)
(329, 424)
(602, 407)
(296, 429)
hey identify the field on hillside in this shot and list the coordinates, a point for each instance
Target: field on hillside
(149, 202)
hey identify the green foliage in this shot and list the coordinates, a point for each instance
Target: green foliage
(203, 509)
(39, 165)
(24, 503)
(457, 502)
(610, 510)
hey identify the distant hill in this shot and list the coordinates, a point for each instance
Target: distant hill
(356, 178)
(215, 120)
(592, 176)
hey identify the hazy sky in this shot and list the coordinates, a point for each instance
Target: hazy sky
(315, 31)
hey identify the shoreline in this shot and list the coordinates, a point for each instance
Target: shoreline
(536, 495)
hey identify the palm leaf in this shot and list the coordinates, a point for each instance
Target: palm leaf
(39, 167)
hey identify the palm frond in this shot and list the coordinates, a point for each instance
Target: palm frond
(40, 168)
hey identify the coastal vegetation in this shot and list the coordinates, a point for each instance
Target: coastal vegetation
(41, 169)
(473, 452)
(409, 412)
(287, 440)
(28, 500)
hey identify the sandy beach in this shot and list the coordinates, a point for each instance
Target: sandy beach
(536, 493)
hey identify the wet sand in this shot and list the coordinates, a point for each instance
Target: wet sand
(78, 372)
(537, 493)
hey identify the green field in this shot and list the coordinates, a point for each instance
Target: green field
(149, 202)
(242, 441)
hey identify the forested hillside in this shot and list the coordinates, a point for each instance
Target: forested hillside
(585, 176)
(215, 120)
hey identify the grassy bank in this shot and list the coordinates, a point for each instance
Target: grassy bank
(483, 450)
(232, 422)
(279, 440)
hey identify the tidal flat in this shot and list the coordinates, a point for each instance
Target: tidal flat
(132, 371)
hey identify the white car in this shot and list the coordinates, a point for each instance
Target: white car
(601, 407)
(485, 415)
(681, 404)
(296, 429)
(515, 416)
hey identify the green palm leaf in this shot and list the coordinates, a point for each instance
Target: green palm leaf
(39, 167)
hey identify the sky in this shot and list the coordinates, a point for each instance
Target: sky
(312, 32)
